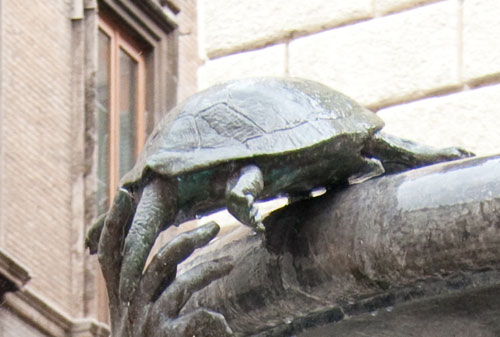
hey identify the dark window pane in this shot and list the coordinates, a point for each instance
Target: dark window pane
(127, 111)
(103, 122)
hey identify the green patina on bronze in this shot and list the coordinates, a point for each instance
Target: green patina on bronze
(300, 134)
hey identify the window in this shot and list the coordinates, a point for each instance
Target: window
(120, 107)
(135, 84)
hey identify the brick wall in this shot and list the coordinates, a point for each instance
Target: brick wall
(35, 161)
(430, 68)
(42, 82)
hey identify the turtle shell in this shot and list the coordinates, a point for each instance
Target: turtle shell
(249, 118)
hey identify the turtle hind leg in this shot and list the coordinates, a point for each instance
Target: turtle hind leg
(372, 168)
(241, 192)
(397, 154)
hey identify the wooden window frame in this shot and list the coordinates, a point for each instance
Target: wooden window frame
(156, 29)
(119, 41)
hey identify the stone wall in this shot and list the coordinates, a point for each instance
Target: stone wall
(429, 68)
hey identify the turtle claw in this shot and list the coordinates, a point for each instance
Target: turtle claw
(243, 208)
(253, 213)
(241, 193)
(259, 228)
(255, 220)
(457, 153)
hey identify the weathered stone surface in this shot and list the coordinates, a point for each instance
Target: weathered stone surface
(428, 232)
(233, 25)
(481, 51)
(471, 120)
(269, 61)
(385, 59)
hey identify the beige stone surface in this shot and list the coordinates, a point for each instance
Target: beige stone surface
(269, 61)
(229, 25)
(481, 32)
(468, 119)
(13, 326)
(382, 7)
(388, 59)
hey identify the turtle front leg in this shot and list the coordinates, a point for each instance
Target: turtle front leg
(241, 192)
(155, 212)
(397, 154)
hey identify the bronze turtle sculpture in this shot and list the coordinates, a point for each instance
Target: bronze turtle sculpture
(255, 139)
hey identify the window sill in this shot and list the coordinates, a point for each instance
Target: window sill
(13, 276)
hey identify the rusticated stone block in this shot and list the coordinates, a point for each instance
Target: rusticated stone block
(230, 25)
(387, 59)
(468, 119)
(481, 50)
(263, 62)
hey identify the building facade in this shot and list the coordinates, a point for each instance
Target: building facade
(82, 83)
(76, 76)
